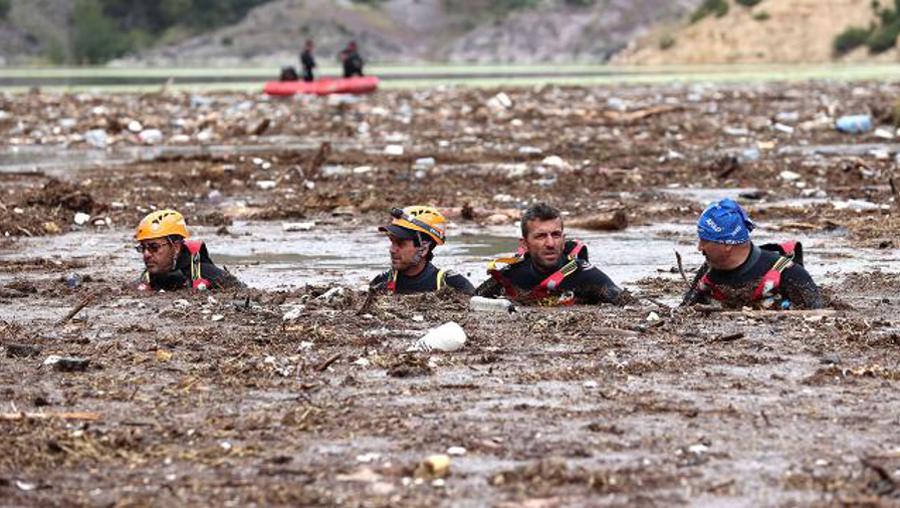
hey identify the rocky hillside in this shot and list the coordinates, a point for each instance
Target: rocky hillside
(32, 28)
(387, 30)
(564, 33)
(427, 30)
(772, 31)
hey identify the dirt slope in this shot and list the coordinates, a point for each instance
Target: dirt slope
(794, 31)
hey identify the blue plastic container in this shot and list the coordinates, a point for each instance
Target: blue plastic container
(854, 124)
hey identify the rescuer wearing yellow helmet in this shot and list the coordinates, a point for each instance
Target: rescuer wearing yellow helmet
(414, 233)
(172, 261)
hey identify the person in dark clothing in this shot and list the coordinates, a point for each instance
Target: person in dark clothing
(171, 261)
(288, 73)
(548, 269)
(351, 60)
(739, 273)
(308, 61)
(414, 233)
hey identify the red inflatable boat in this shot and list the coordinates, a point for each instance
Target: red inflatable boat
(356, 85)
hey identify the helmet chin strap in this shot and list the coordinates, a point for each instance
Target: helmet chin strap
(421, 250)
(177, 252)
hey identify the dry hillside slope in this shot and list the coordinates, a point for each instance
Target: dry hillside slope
(773, 31)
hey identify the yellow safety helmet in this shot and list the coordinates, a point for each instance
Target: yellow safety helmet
(161, 224)
(422, 219)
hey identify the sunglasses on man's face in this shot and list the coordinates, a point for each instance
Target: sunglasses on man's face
(152, 248)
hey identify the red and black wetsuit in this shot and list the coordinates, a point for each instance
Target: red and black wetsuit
(741, 286)
(587, 284)
(181, 276)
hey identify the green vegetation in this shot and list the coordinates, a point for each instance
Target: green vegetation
(717, 7)
(106, 29)
(666, 41)
(4, 8)
(580, 3)
(495, 8)
(850, 39)
(95, 37)
(761, 16)
(748, 3)
(156, 17)
(878, 38)
(883, 38)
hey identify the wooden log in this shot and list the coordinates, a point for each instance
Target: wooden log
(79, 416)
(615, 221)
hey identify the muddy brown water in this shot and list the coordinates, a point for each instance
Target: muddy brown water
(216, 399)
(266, 257)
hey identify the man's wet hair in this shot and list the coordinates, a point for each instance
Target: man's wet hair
(538, 211)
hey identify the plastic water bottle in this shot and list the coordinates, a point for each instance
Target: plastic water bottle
(73, 280)
(854, 124)
(481, 304)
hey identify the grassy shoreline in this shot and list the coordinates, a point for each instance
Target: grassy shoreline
(398, 76)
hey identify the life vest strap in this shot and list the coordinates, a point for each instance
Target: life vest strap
(768, 284)
(392, 281)
(194, 248)
(545, 287)
(771, 281)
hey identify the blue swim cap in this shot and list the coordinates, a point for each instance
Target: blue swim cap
(725, 222)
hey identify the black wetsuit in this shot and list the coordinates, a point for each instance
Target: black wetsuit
(353, 63)
(588, 284)
(425, 282)
(180, 277)
(308, 62)
(738, 285)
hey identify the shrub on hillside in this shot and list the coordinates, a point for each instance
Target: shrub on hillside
(4, 8)
(666, 41)
(95, 37)
(883, 38)
(717, 7)
(850, 39)
(761, 16)
(748, 3)
(879, 38)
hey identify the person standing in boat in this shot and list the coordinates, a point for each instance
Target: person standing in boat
(352, 61)
(308, 61)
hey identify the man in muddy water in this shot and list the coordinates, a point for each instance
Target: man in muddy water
(172, 261)
(414, 232)
(739, 273)
(548, 270)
